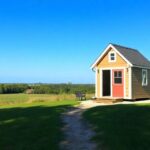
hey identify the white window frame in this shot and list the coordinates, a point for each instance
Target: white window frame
(146, 71)
(118, 77)
(110, 57)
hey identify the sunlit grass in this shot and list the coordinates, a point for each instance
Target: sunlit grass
(6, 99)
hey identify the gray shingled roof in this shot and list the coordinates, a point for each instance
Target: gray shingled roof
(133, 56)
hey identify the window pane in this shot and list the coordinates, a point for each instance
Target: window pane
(112, 58)
(144, 78)
(112, 54)
(144, 73)
(118, 80)
(115, 74)
(119, 74)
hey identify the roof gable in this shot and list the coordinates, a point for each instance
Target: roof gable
(105, 51)
(131, 56)
(106, 62)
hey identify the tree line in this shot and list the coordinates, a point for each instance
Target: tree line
(13, 88)
(46, 88)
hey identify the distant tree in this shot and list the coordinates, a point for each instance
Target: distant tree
(39, 88)
(1, 89)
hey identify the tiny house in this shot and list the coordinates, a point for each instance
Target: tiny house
(121, 73)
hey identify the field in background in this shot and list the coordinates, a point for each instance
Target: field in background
(6, 99)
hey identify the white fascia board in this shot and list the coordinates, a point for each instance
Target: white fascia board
(107, 48)
(99, 58)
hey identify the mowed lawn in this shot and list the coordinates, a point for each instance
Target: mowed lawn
(6, 99)
(31, 125)
(121, 127)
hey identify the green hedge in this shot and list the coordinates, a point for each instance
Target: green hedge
(13, 88)
(46, 88)
(62, 88)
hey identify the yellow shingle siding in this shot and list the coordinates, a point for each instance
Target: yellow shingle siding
(120, 62)
(104, 63)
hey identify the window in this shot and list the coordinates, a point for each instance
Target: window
(112, 57)
(118, 77)
(144, 77)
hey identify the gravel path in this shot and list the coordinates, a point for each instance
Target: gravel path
(77, 132)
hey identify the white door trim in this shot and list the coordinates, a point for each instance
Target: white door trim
(101, 81)
(96, 74)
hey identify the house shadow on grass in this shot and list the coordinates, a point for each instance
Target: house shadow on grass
(32, 128)
(121, 127)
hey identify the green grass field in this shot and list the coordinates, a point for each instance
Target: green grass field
(7, 99)
(31, 122)
(121, 127)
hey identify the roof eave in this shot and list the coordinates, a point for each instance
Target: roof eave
(144, 67)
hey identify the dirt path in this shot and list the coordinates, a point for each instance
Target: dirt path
(77, 132)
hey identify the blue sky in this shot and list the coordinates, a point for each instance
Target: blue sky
(56, 41)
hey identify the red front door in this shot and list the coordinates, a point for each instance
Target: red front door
(118, 83)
